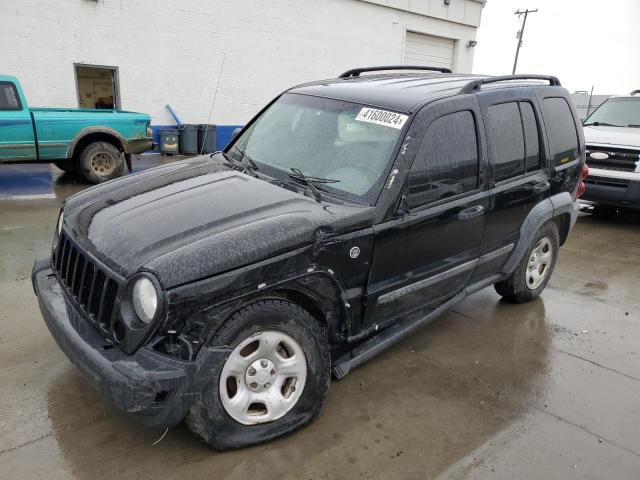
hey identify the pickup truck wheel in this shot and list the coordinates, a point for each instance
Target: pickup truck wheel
(101, 161)
(534, 270)
(273, 381)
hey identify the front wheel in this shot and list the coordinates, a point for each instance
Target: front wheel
(534, 270)
(101, 161)
(273, 381)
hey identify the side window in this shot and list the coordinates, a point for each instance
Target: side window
(9, 97)
(447, 161)
(507, 138)
(514, 136)
(563, 137)
(531, 139)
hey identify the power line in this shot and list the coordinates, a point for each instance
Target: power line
(520, 34)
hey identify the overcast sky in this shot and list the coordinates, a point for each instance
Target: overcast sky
(583, 42)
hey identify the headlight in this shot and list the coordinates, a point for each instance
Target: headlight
(145, 299)
(60, 219)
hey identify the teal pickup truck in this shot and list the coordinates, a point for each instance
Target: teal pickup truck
(96, 143)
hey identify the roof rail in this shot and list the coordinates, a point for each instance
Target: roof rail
(635, 92)
(355, 72)
(476, 85)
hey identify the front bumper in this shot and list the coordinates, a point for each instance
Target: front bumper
(614, 190)
(155, 389)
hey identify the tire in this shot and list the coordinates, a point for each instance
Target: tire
(212, 414)
(68, 166)
(523, 285)
(101, 161)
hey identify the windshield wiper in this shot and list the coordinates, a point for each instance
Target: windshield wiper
(633, 125)
(310, 182)
(601, 124)
(246, 163)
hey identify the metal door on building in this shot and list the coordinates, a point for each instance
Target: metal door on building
(422, 49)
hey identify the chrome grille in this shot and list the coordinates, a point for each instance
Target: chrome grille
(91, 289)
(620, 159)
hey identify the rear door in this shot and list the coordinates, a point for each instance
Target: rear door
(424, 256)
(519, 170)
(17, 140)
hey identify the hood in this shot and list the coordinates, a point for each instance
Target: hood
(621, 136)
(189, 220)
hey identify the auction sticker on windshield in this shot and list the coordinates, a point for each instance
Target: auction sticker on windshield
(382, 117)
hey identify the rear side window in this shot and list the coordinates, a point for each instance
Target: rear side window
(9, 99)
(514, 136)
(507, 138)
(563, 137)
(447, 161)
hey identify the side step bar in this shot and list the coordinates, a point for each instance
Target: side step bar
(388, 338)
(399, 331)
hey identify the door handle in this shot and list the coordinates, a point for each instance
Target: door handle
(541, 187)
(471, 212)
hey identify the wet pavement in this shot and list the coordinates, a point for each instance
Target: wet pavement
(550, 389)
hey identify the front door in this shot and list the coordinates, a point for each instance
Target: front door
(427, 253)
(17, 141)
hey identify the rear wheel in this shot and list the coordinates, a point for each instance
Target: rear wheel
(101, 161)
(273, 381)
(534, 270)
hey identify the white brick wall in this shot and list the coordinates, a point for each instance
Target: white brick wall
(170, 51)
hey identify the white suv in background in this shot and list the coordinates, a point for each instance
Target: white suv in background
(612, 137)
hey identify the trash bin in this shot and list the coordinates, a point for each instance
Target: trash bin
(207, 138)
(189, 139)
(169, 141)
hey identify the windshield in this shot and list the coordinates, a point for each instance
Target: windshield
(324, 138)
(617, 112)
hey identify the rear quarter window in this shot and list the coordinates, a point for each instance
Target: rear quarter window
(561, 129)
(9, 99)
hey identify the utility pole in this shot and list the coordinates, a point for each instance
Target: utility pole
(520, 34)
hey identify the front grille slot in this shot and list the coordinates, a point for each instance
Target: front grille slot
(620, 159)
(92, 290)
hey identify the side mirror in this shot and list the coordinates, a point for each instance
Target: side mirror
(235, 132)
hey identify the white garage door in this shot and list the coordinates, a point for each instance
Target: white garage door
(421, 49)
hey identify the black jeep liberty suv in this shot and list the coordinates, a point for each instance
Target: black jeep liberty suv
(349, 212)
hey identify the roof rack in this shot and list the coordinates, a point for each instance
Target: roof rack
(476, 85)
(635, 92)
(355, 72)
